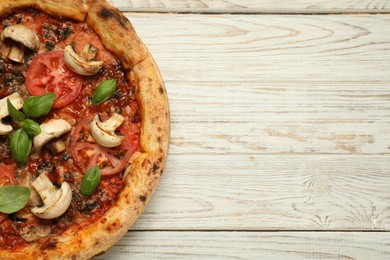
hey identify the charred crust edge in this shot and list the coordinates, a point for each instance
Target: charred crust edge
(108, 13)
(142, 198)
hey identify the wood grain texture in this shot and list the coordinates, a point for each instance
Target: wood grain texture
(279, 123)
(249, 99)
(254, 6)
(274, 84)
(250, 245)
(266, 192)
(264, 51)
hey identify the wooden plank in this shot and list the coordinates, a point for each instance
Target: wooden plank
(250, 6)
(249, 93)
(267, 192)
(264, 51)
(244, 119)
(250, 245)
(280, 84)
(297, 135)
(297, 85)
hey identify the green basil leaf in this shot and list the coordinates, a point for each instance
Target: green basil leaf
(31, 127)
(14, 113)
(90, 181)
(37, 106)
(104, 91)
(20, 144)
(13, 198)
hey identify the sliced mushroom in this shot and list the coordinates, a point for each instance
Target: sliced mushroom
(31, 233)
(89, 52)
(55, 202)
(23, 36)
(34, 233)
(79, 64)
(16, 53)
(57, 146)
(5, 48)
(50, 129)
(17, 101)
(104, 132)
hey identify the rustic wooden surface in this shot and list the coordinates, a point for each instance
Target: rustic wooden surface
(250, 245)
(280, 141)
(253, 6)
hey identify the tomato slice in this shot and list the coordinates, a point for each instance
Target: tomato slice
(49, 73)
(87, 153)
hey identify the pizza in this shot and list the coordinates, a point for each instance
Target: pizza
(84, 128)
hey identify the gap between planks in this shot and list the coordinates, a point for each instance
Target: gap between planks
(207, 11)
(304, 245)
(258, 231)
(272, 154)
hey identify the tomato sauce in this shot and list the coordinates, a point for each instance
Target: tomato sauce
(54, 35)
(9, 236)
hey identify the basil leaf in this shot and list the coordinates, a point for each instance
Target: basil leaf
(14, 113)
(37, 106)
(104, 91)
(31, 127)
(90, 181)
(13, 198)
(20, 146)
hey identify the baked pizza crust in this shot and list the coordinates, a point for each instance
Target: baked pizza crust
(146, 166)
(72, 9)
(116, 32)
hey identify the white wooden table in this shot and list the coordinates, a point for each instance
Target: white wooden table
(280, 142)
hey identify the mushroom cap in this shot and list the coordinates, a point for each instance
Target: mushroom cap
(22, 34)
(16, 53)
(56, 202)
(5, 129)
(104, 132)
(89, 52)
(17, 101)
(50, 129)
(79, 64)
(58, 207)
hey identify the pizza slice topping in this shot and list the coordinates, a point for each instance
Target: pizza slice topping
(90, 181)
(13, 198)
(20, 37)
(50, 129)
(17, 103)
(87, 152)
(83, 64)
(104, 132)
(7, 174)
(48, 73)
(55, 201)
